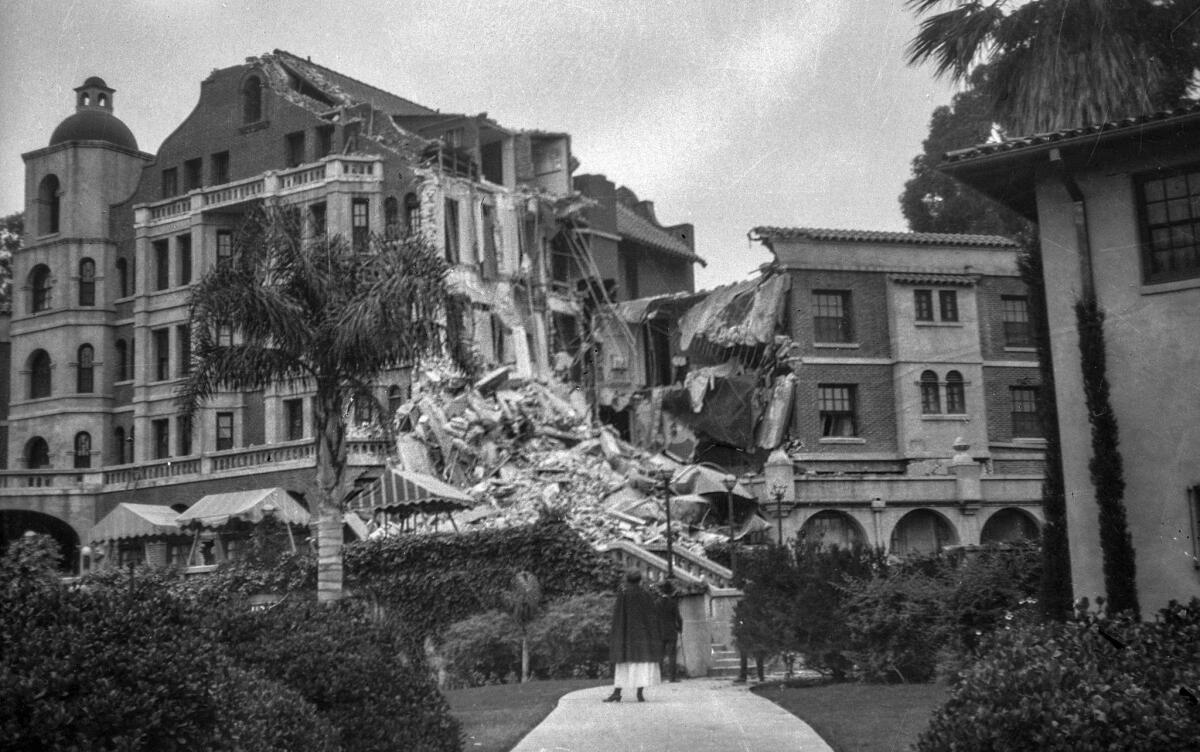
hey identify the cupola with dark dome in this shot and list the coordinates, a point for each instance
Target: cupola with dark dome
(93, 119)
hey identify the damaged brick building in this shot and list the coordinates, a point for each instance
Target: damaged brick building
(879, 386)
(116, 236)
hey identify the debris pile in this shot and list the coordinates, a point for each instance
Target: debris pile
(522, 447)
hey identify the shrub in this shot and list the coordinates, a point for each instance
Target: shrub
(570, 638)
(1089, 684)
(352, 668)
(482, 649)
(258, 714)
(896, 625)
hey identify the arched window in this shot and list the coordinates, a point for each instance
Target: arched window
(956, 395)
(39, 283)
(412, 213)
(87, 282)
(39, 374)
(122, 278)
(122, 360)
(48, 205)
(391, 217)
(85, 382)
(83, 449)
(931, 403)
(252, 100)
(118, 451)
(37, 453)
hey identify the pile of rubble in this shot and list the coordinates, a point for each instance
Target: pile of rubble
(520, 447)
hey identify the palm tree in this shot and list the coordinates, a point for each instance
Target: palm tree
(1053, 64)
(321, 316)
(524, 598)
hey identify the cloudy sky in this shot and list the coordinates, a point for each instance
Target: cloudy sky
(726, 114)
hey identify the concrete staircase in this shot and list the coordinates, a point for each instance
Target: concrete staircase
(726, 663)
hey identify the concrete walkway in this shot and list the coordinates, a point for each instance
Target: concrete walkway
(695, 715)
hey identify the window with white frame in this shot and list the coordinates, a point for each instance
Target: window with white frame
(836, 410)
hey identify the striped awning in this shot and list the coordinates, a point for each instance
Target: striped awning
(408, 492)
(216, 510)
(136, 521)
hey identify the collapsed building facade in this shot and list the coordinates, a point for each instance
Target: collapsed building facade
(875, 387)
(100, 335)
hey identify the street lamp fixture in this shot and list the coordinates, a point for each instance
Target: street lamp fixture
(664, 481)
(777, 492)
(729, 481)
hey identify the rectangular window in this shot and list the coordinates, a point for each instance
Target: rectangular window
(224, 431)
(923, 304)
(224, 245)
(162, 354)
(162, 265)
(831, 316)
(452, 250)
(1025, 421)
(836, 406)
(170, 182)
(324, 141)
(294, 146)
(948, 304)
(219, 168)
(1014, 311)
(317, 219)
(193, 174)
(162, 438)
(183, 342)
(183, 256)
(293, 417)
(491, 264)
(183, 428)
(360, 223)
(224, 334)
(1170, 212)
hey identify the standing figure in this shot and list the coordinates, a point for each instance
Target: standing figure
(635, 644)
(670, 622)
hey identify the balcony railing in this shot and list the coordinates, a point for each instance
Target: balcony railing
(358, 453)
(271, 183)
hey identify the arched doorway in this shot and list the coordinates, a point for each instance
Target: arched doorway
(830, 528)
(1010, 525)
(14, 523)
(922, 531)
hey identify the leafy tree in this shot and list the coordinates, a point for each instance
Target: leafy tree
(935, 202)
(321, 315)
(12, 228)
(1060, 63)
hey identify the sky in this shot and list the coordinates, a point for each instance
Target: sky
(725, 114)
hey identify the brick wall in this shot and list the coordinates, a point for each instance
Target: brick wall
(875, 408)
(989, 293)
(868, 311)
(996, 384)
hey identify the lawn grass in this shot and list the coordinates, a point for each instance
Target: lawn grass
(495, 718)
(862, 717)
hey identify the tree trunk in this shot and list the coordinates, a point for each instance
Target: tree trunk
(524, 659)
(331, 464)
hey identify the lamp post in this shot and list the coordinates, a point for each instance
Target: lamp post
(777, 492)
(729, 481)
(664, 479)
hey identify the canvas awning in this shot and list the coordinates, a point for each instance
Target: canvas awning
(136, 521)
(216, 510)
(744, 313)
(408, 492)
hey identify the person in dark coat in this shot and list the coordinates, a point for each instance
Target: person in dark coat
(635, 644)
(670, 623)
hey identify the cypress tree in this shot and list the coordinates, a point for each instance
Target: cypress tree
(1108, 478)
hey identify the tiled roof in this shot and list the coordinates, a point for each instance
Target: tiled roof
(959, 280)
(876, 236)
(357, 90)
(1069, 134)
(636, 227)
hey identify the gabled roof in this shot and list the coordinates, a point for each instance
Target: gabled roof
(639, 229)
(769, 234)
(357, 90)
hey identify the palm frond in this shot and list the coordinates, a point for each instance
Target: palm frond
(243, 367)
(956, 39)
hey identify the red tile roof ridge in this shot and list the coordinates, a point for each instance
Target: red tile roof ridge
(882, 236)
